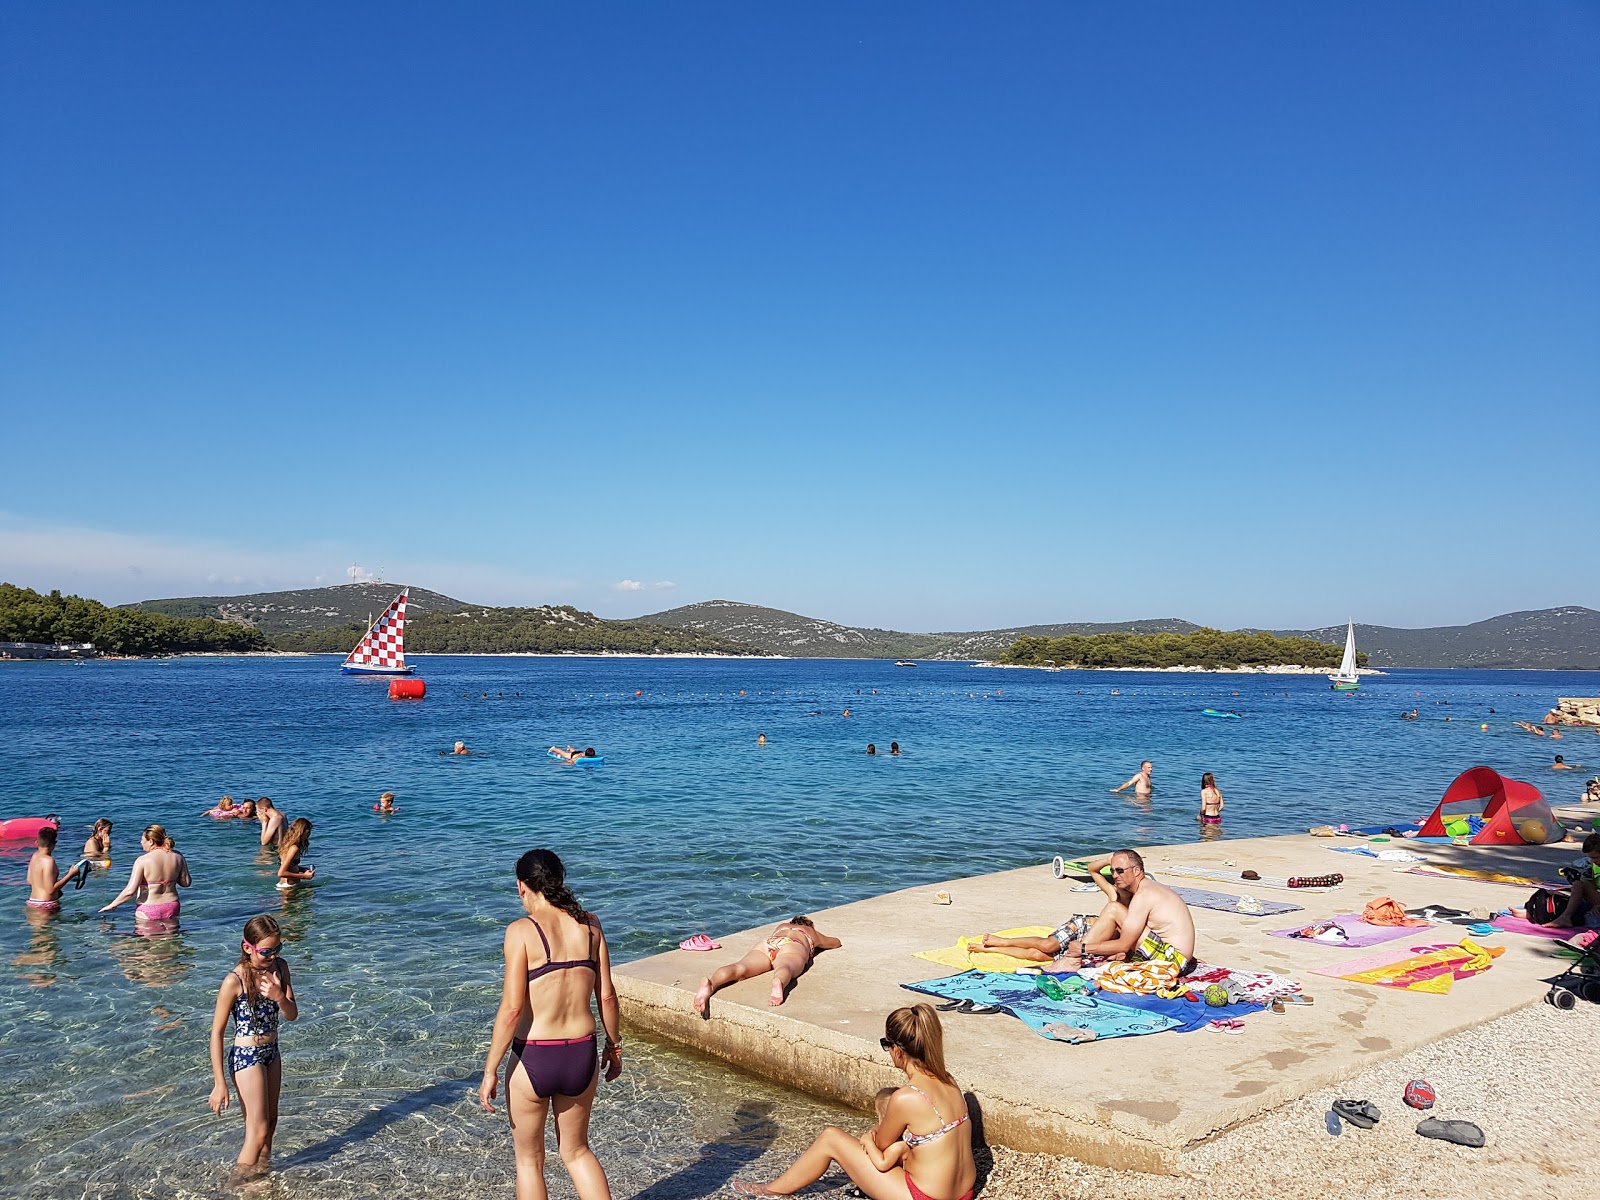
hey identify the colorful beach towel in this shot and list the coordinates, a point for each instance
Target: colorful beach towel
(1358, 934)
(1484, 876)
(1529, 929)
(1020, 997)
(1222, 902)
(1192, 1014)
(960, 958)
(1261, 986)
(1218, 875)
(1384, 855)
(1432, 969)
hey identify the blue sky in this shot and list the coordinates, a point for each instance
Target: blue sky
(922, 316)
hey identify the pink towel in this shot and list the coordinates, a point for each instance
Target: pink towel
(1518, 925)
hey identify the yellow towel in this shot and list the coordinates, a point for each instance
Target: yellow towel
(960, 958)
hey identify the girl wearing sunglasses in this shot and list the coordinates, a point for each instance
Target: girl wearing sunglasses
(254, 993)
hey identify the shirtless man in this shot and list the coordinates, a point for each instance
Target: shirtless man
(1561, 764)
(1140, 783)
(787, 954)
(271, 818)
(44, 888)
(1142, 919)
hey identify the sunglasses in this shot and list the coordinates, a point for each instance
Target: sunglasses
(887, 1044)
(1120, 870)
(264, 951)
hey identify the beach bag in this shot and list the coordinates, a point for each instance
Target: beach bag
(1546, 904)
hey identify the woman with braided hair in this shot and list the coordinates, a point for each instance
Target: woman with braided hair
(557, 962)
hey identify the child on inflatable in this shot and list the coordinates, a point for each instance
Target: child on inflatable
(223, 811)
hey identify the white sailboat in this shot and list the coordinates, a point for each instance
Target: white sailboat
(382, 651)
(1346, 679)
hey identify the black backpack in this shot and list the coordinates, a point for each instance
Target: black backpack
(1546, 904)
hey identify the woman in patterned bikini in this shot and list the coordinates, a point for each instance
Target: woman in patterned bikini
(928, 1114)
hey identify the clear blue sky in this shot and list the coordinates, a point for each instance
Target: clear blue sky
(922, 316)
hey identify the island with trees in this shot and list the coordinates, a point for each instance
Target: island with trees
(1211, 649)
(31, 617)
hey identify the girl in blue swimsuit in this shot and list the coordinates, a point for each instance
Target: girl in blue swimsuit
(557, 965)
(255, 993)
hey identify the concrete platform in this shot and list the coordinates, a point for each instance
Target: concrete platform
(1132, 1103)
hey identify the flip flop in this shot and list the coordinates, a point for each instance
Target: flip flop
(699, 941)
(1058, 1031)
(1335, 1128)
(1462, 1133)
(953, 1005)
(1298, 998)
(1363, 1114)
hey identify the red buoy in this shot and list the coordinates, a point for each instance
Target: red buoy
(407, 689)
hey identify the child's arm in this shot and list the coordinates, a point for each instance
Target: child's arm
(219, 1024)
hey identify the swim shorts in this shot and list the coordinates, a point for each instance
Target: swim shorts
(1074, 929)
(1151, 948)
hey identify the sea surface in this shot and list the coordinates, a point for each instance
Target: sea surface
(688, 826)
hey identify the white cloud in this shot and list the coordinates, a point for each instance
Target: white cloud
(628, 585)
(118, 568)
(661, 584)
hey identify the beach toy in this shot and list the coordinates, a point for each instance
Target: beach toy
(27, 827)
(581, 760)
(1419, 1093)
(382, 809)
(1216, 995)
(82, 868)
(407, 689)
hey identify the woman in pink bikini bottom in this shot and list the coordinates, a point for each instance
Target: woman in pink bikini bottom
(157, 875)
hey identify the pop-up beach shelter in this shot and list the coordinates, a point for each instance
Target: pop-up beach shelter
(1513, 812)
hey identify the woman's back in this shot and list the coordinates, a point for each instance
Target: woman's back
(563, 964)
(939, 1133)
(164, 871)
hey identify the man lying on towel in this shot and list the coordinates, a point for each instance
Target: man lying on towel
(1142, 920)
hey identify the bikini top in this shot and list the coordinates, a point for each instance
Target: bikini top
(922, 1139)
(257, 1018)
(592, 962)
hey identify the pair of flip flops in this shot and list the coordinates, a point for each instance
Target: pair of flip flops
(699, 941)
(972, 1007)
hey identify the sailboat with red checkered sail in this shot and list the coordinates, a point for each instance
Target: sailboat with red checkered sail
(383, 650)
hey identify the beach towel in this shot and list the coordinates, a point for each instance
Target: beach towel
(1222, 902)
(960, 958)
(1219, 875)
(1358, 934)
(1529, 929)
(1020, 997)
(1193, 1014)
(1383, 855)
(1430, 969)
(1261, 986)
(1138, 978)
(1484, 876)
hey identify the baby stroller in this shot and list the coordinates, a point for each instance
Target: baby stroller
(1581, 978)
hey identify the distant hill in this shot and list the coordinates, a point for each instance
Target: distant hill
(304, 610)
(1555, 639)
(1546, 639)
(789, 633)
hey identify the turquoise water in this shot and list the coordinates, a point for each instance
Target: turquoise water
(689, 825)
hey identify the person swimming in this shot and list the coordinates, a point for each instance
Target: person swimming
(385, 803)
(98, 848)
(223, 810)
(871, 749)
(458, 748)
(571, 755)
(295, 840)
(894, 749)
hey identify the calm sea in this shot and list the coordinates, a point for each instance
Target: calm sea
(689, 825)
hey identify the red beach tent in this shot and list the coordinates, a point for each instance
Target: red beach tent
(1514, 813)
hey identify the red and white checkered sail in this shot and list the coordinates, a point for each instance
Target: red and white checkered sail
(383, 650)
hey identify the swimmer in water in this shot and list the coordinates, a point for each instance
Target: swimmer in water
(156, 876)
(223, 811)
(460, 748)
(871, 748)
(1531, 728)
(1140, 783)
(894, 749)
(1210, 800)
(247, 810)
(98, 847)
(385, 803)
(290, 849)
(1561, 764)
(45, 883)
(271, 818)
(761, 739)
(786, 953)
(571, 755)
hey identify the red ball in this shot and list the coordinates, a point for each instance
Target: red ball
(1419, 1094)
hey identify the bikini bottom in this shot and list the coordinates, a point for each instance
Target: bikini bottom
(242, 1058)
(556, 1066)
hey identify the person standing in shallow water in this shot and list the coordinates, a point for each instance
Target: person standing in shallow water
(556, 963)
(254, 994)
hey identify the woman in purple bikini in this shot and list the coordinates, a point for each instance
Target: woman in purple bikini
(557, 962)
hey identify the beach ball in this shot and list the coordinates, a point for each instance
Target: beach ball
(1484, 727)
(1419, 1094)
(638, 693)
(1216, 995)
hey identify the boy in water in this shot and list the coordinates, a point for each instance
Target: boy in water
(44, 888)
